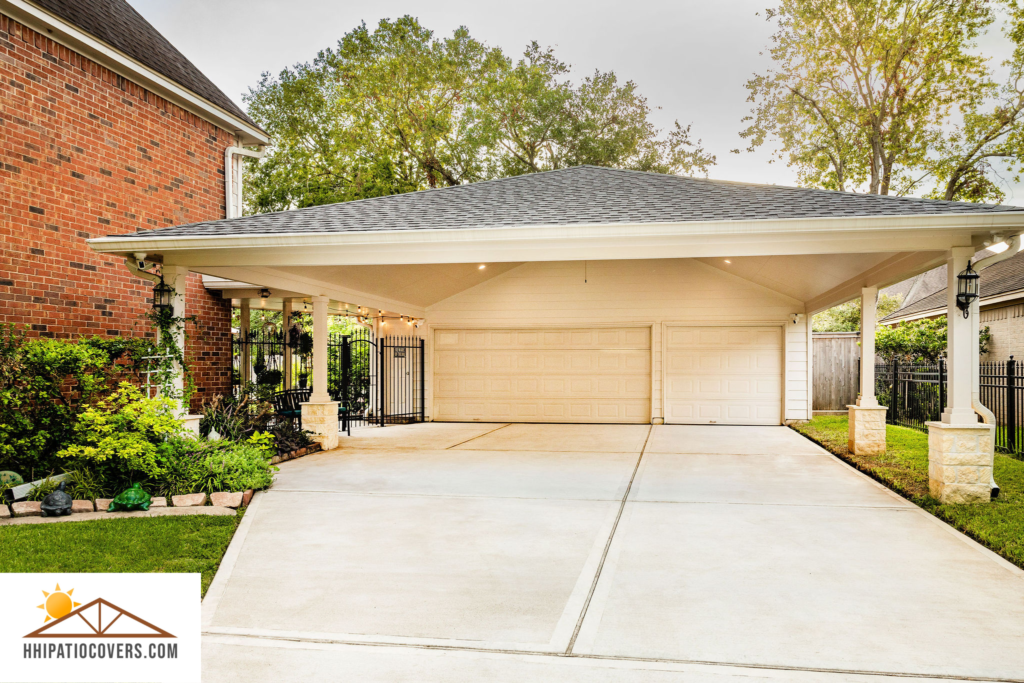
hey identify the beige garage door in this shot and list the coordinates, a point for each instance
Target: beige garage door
(570, 375)
(723, 375)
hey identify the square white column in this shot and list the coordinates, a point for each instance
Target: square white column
(320, 414)
(959, 354)
(867, 418)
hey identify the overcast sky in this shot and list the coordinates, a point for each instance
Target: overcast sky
(691, 58)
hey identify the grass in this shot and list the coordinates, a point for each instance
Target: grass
(194, 543)
(998, 525)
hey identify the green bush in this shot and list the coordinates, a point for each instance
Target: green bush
(198, 465)
(123, 432)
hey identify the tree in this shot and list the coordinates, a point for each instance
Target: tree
(963, 161)
(861, 91)
(397, 109)
(846, 317)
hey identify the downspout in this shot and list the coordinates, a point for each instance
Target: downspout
(233, 185)
(986, 415)
(137, 272)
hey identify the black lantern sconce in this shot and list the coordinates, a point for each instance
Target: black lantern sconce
(163, 297)
(264, 293)
(966, 289)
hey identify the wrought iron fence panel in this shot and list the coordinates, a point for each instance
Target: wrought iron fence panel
(916, 393)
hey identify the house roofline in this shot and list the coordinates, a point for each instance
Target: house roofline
(941, 310)
(89, 46)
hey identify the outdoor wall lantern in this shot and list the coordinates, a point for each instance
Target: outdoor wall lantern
(264, 293)
(966, 289)
(163, 295)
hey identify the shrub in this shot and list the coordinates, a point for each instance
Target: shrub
(43, 384)
(123, 431)
(197, 465)
(238, 419)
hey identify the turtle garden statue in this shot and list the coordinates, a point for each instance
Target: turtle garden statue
(56, 503)
(132, 499)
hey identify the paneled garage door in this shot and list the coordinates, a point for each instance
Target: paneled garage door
(723, 375)
(570, 375)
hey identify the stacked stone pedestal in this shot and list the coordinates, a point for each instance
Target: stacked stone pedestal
(322, 420)
(867, 430)
(960, 461)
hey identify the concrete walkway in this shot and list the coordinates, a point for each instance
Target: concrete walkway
(600, 553)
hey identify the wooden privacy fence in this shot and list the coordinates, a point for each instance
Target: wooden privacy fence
(836, 363)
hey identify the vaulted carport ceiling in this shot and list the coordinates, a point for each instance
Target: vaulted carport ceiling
(817, 280)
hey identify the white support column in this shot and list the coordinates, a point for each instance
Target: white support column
(286, 315)
(177, 277)
(320, 414)
(959, 410)
(960, 450)
(320, 393)
(245, 318)
(867, 418)
(868, 308)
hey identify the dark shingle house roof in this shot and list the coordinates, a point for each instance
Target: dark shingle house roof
(1001, 278)
(117, 24)
(575, 196)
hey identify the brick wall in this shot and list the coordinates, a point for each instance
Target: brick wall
(86, 153)
(1006, 324)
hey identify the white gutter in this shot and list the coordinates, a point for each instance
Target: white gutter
(233, 188)
(83, 43)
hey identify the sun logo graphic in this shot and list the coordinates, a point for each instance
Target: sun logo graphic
(66, 618)
(58, 603)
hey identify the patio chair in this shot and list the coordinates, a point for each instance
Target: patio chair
(288, 403)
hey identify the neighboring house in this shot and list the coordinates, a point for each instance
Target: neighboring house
(587, 294)
(1002, 306)
(105, 128)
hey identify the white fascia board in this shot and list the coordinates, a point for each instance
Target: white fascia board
(81, 42)
(573, 242)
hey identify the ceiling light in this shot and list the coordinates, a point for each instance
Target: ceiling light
(482, 266)
(728, 261)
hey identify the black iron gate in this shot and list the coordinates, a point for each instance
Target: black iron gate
(376, 381)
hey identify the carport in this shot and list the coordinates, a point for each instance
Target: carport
(594, 295)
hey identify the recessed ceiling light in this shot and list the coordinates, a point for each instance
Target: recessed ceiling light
(728, 261)
(482, 266)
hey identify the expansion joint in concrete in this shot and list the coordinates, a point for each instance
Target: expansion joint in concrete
(607, 546)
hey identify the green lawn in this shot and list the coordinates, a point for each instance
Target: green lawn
(152, 544)
(998, 525)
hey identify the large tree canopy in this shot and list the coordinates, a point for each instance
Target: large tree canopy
(397, 109)
(891, 96)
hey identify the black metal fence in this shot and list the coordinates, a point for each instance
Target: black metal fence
(377, 381)
(916, 393)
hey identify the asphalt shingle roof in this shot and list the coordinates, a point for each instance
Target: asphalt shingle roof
(117, 24)
(572, 196)
(1001, 278)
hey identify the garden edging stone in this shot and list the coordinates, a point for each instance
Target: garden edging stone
(29, 508)
(82, 506)
(226, 499)
(103, 504)
(100, 515)
(5, 512)
(189, 500)
(158, 503)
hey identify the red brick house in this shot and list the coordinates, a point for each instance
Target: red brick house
(105, 128)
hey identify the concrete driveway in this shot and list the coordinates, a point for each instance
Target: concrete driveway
(600, 553)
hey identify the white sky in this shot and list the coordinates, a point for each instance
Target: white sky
(691, 58)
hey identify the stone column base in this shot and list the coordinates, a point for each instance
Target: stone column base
(867, 430)
(322, 420)
(960, 461)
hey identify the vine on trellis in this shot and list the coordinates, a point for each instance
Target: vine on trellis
(169, 358)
